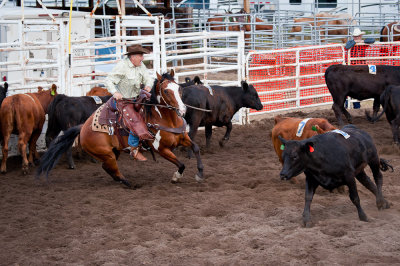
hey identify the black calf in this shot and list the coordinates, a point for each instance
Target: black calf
(390, 100)
(330, 160)
(66, 112)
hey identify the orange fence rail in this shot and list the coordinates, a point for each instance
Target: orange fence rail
(294, 78)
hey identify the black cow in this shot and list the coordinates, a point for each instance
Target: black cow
(188, 82)
(390, 100)
(66, 112)
(3, 92)
(330, 160)
(223, 102)
(358, 83)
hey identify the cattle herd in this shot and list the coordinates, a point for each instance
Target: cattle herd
(328, 156)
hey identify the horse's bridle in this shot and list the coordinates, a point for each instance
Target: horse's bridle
(166, 104)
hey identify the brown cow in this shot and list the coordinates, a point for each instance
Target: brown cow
(24, 114)
(98, 91)
(287, 128)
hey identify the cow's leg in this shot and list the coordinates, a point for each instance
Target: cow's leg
(395, 129)
(6, 139)
(311, 186)
(208, 132)
(33, 154)
(71, 162)
(227, 134)
(347, 115)
(337, 108)
(351, 183)
(192, 133)
(187, 142)
(381, 203)
(23, 139)
(375, 107)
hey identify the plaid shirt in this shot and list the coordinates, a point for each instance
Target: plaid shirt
(126, 78)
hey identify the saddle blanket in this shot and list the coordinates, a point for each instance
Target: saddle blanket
(96, 126)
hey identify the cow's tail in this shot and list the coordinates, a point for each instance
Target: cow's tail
(386, 96)
(52, 123)
(59, 146)
(384, 165)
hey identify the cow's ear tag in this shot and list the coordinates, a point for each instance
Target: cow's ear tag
(282, 147)
(52, 93)
(314, 128)
(311, 148)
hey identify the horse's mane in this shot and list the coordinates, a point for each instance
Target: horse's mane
(153, 92)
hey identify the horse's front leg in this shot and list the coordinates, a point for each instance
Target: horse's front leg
(170, 156)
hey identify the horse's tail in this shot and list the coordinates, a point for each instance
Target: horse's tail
(384, 165)
(386, 96)
(59, 146)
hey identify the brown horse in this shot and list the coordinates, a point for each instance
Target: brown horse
(98, 91)
(24, 114)
(338, 24)
(391, 30)
(166, 123)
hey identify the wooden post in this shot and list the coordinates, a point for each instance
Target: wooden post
(246, 6)
(122, 5)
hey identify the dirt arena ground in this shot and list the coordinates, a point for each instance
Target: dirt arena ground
(243, 214)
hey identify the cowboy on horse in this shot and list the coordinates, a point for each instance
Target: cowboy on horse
(125, 81)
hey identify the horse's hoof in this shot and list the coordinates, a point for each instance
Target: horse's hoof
(71, 167)
(3, 172)
(175, 178)
(126, 183)
(198, 178)
(308, 224)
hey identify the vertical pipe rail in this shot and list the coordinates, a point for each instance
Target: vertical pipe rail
(297, 78)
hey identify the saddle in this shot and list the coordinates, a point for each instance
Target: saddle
(126, 116)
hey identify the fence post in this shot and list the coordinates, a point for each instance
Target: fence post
(298, 78)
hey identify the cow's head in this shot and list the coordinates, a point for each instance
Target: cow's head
(250, 97)
(294, 156)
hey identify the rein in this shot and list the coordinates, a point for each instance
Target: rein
(197, 108)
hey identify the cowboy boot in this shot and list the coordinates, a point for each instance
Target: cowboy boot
(137, 155)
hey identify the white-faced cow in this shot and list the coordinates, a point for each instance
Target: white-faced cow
(357, 82)
(223, 102)
(333, 159)
(390, 100)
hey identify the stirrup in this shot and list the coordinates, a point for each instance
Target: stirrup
(135, 153)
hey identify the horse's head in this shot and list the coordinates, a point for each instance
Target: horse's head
(168, 92)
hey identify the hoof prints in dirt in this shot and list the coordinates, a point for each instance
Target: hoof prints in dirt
(242, 214)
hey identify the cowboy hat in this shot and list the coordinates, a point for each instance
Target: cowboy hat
(357, 32)
(136, 49)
